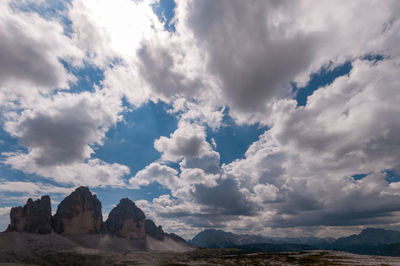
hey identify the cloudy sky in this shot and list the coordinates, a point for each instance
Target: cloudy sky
(272, 117)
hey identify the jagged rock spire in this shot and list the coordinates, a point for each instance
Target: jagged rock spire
(126, 220)
(78, 214)
(34, 217)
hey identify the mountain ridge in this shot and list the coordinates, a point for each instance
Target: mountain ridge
(369, 241)
(213, 238)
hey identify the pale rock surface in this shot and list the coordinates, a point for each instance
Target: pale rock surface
(79, 214)
(126, 220)
(34, 217)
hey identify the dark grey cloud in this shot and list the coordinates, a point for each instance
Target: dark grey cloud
(30, 52)
(60, 139)
(157, 67)
(223, 199)
(354, 209)
(208, 162)
(62, 131)
(254, 58)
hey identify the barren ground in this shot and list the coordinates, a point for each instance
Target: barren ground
(197, 257)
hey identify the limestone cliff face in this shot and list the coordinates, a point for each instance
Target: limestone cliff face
(154, 231)
(79, 214)
(126, 220)
(34, 217)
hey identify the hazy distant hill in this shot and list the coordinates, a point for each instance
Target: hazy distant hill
(369, 241)
(265, 247)
(390, 250)
(211, 238)
(321, 243)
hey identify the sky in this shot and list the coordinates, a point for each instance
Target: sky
(278, 118)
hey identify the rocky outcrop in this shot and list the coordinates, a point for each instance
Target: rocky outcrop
(154, 231)
(79, 220)
(126, 220)
(79, 214)
(34, 217)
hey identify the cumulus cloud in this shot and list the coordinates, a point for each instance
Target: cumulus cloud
(188, 145)
(111, 30)
(164, 175)
(224, 55)
(199, 188)
(309, 155)
(16, 193)
(199, 163)
(30, 52)
(31, 189)
(4, 211)
(4, 217)
(93, 172)
(59, 130)
(299, 173)
(60, 133)
(248, 56)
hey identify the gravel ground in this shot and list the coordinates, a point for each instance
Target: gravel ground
(197, 257)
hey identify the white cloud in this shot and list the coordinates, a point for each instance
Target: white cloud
(60, 133)
(196, 176)
(60, 129)
(32, 189)
(94, 172)
(156, 172)
(30, 52)
(311, 152)
(4, 211)
(229, 53)
(298, 174)
(198, 112)
(4, 217)
(224, 55)
(247, 56)
(188, 141)
(111, 30)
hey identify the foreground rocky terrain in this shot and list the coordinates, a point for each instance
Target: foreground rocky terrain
(196, 257)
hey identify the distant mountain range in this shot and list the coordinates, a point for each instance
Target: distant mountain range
(369, 241)
(212, 238)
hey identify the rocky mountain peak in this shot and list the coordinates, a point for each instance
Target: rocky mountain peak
(154, 231)
(34, 217)
(79, 214)
(126, 220)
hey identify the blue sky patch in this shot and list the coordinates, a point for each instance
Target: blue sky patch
(165, 12)
(324, 77)
(49, 10)
(359, 176)
(233, 140)
(87, 77)
(131, 141)
(392, 176)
